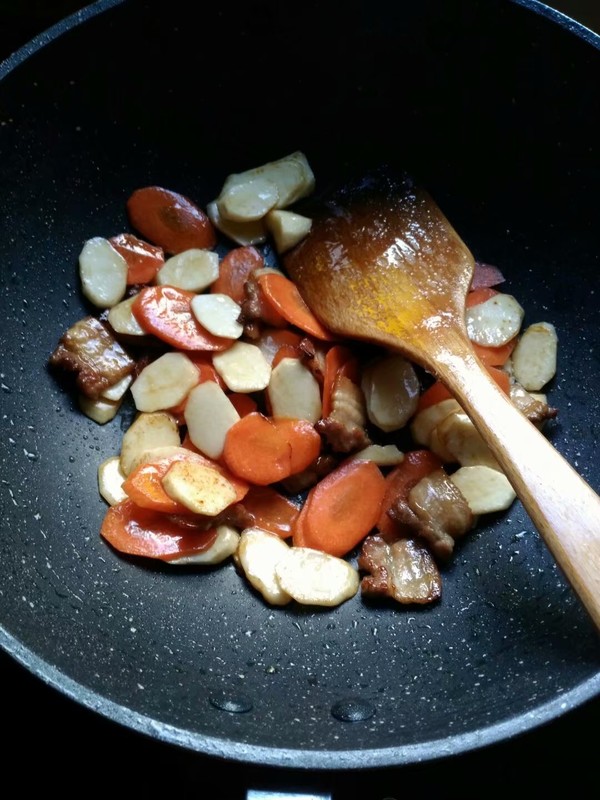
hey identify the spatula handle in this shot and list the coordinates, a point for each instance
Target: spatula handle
(562, 505)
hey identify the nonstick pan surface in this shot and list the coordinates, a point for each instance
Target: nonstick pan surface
(491, 105)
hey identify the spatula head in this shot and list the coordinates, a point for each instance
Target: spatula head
(382, 263)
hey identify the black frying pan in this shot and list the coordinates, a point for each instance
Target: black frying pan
(494, 108)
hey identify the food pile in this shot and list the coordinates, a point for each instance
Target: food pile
(260, 436)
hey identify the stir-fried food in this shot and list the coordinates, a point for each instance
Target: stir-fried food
(321, 468)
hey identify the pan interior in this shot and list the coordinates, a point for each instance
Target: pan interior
(488, 104)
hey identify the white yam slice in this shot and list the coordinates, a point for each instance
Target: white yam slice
(315, 578)
(460, 438)
(426, 420)
(258, 554)
(534, 357)
(384, 455)
(103, 273)
(225, 545)
(287, 228)
(118, 389)
(193, 270)
(219, 314)
(209, 414)
(121, 319)
(200, 487)
(100, 410)
(243, 368)
(243, 233)
(391, 389)
(164, 383)
(291, 174)
(495, 321)
(249, 200)
(147, 431)
(294, 391)
(486, 490)
(110, 481)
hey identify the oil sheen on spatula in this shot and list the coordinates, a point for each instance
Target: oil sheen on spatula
(383, 263)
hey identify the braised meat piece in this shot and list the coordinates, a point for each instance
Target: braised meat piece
(309, 477)
(344, 428)
(442, 512)
(534, 408)
(90, 351)
(404, 570)
(313, 358)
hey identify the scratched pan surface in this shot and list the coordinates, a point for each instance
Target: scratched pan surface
(490, 104)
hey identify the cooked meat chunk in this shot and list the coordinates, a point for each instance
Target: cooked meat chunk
(90, 351)
(344, 428)
(310, 476)
(313, 358)
(443, 513)
(534, 408)
(404, 570)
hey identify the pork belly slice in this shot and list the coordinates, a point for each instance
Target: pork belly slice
(404, 571)
(437, 511)
(344, 428)
(90, 351)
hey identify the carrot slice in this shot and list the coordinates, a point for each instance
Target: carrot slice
(304, 441)
(262, 450)
(417, 464)
(285, 298)
(285, 351)
(495, 356)
(299, 528)
(477, 296)
(243, 403)
(170, 220)
(144, 484)
(167, 313)
(143, 259)
(255, 450)
(271, 511)
(235, 269)
(343, 507)
(141, 532)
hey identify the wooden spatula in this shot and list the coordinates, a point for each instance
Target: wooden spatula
(383, 264)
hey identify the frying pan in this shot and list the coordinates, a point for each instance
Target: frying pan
(490, 104)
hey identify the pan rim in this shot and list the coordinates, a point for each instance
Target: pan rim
(324, 760)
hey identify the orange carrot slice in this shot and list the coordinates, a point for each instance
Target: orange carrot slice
(477, 296)
(141, 532)
(285, 298)
(271, 511)
(263, 450)
(235, 269)
(495, 356)
(170, 220)
(167, 313)
(343, 508)
(143, 259)
(243, 403)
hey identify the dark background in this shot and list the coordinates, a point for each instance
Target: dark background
(67, 748)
